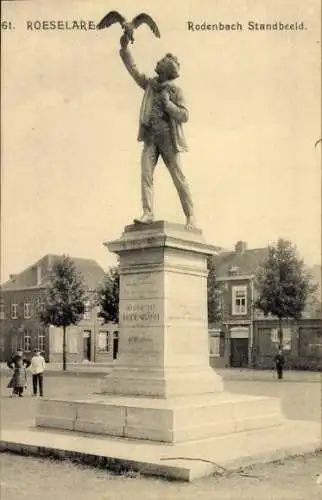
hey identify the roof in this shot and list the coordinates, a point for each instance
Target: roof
(92, 272)
(245, 263)
(33, 276)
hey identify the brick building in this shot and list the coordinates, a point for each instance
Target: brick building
(243, 337)
(21, 299)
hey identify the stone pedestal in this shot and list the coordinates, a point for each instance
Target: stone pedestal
(163, 346)
(162, 387)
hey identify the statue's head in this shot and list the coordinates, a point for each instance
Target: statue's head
(168, 67)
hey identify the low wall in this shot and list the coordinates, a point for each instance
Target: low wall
(303, 344)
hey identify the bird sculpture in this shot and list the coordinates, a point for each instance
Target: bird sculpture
(128, 27)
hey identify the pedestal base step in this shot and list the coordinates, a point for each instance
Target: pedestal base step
(185, 461)
(160, 383)
(164, 420)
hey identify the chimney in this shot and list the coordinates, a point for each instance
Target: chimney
(49, 263)
(38, 275)
(240, 247)
(12, 276)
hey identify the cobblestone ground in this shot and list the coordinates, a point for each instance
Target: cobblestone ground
(28, 477)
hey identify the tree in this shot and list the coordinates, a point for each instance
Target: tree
(283, 284)
(214, 294)
(108, 295)
(65, 298)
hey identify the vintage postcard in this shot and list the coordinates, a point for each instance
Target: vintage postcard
(153, 135)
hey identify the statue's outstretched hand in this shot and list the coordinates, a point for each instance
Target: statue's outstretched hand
(124, 41)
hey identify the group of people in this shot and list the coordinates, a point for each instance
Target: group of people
(19, 364)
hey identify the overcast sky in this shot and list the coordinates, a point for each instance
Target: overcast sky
(70, 158)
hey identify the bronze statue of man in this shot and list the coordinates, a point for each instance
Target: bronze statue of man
(163, 111)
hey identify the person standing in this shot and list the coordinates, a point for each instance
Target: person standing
(38, 365)
(18, 380)
(279, 363)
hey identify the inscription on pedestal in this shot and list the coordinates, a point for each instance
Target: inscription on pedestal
(136, 313)
(185, 312)
(140, 300)
(141, 286)
(143, 344)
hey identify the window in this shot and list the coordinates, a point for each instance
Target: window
(2, 315)
(115, 344)
(239, 300)
(39, 304)
(287, 337)
(216, 338)
(27, 342)
(274, 335)
(214, 344)
(14, 341)
(14, 311)
(87, 307)
(103, 341)
(27, 310)
(73, 340)
(41, 340)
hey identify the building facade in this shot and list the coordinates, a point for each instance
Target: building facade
(21, 301)
(243, 337)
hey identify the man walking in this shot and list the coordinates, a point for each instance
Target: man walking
(37, 367)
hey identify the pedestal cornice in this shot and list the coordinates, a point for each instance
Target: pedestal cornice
(161, 234)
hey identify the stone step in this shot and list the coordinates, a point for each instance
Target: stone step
(163, 420)
(184, 461)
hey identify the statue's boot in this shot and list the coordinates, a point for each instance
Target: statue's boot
(147, 218)
(190, 222)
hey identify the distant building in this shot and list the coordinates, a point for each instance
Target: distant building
(244, 337)
(21, 300)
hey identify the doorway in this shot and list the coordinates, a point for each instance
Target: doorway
(239, 346)
(115, 344)
(239, 353)
(87, 345)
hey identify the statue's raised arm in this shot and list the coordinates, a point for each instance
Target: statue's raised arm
(129, 63)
